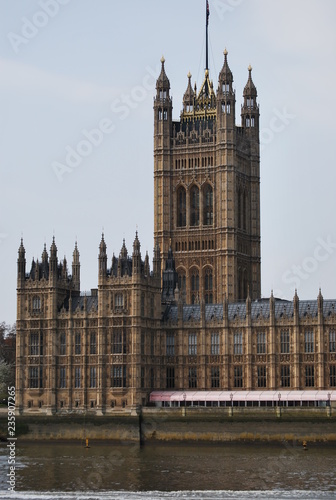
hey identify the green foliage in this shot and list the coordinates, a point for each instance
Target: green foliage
(7, 358)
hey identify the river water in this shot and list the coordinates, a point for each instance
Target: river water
(113, 471)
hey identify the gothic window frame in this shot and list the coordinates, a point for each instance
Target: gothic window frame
(93, 377)
(238, 376)
(208, 285)
(36, 304)
(77, 377)
(215, 377)
(215, 344)
(62, 384)
(170, 344)
(194, 203)
(194, 285)
(238, 343)
(208, 205)
(181, 207)
(262, 376)
(93, 343)
(192, 344)
(119, 376)
(78, 343)
(309, 342)
(332, 340)
(284, 342)
(261, 343)
(35, 377)
(332, 375)
(62, 349)
(192, 377)
(309, 376)
(170, 377)
(285, 376)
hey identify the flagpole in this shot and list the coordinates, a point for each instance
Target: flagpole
(207, 43)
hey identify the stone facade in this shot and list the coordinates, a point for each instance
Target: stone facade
(196, 321)
(206, 188)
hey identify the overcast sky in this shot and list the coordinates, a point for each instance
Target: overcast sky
(68, 67)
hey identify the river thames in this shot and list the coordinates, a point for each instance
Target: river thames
(68, 470)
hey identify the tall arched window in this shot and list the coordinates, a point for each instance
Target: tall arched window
(182, 283)
(244, 211)
(181, 207)
(194, 206)
(194, 286)
(207, 205)
(208, 286)
(239, 208)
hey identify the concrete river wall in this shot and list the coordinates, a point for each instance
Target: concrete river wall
(190, 425)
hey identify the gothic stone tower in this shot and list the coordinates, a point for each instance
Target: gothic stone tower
(206, 188)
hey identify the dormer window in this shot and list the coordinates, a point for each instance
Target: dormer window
(163, 94)
(189, 108)
(226, 88)
(250, 102)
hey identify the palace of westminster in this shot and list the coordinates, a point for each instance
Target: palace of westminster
(196, 321)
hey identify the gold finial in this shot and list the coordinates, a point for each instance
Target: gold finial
(189, 75)
(250, 68)
(225, 52)
(162, 59)
(206, 73)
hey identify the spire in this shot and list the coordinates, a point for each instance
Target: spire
(189, 95)
(22, 251)
(76, 269)
(136, 257)
(75, 255)
(102, 257)
(250, 108)
(53, 248)
(102, 246)
(21, 264)
(162, 82)
(123, 251)
(45, 254)
(225, 76)
(250, 89)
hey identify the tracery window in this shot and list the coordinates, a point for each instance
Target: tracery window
(207, 205)
(194, 286)
(208, 286)
(181, 207)
(194, 206)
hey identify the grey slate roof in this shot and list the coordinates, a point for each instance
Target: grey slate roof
(259, 309)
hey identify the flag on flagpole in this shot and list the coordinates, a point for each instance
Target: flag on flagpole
(207, 12)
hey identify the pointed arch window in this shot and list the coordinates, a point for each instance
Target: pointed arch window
(207, 205)
(208, 286)
(194, 286)
(160, 114)
(194, 206)
(225, 88)
(181, 207)
(182, 283)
